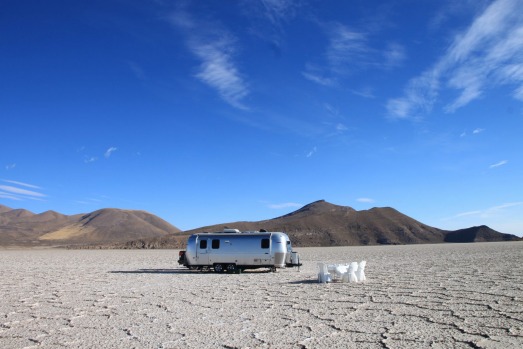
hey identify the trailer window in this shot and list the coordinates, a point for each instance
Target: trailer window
(215, 244)
(265, 243)
(203, 244)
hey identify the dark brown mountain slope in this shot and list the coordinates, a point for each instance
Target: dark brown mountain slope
(317, 224)
(478, 234)
(324, 224)
(24, 228)
(339, 225)
(4, 209)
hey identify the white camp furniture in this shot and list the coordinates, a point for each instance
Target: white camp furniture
(360, 272)
(351, 272)
(337, 270)
(341, 269)
(323, 275)
(350, 275)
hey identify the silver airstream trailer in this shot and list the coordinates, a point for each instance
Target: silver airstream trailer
(235, 251)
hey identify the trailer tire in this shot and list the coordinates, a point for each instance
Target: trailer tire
(231, 268)
(218, 268)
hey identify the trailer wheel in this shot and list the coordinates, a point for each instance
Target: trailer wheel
(231, 268)
(218, 268)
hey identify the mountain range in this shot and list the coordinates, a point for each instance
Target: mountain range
(19, 227)
(317, 224)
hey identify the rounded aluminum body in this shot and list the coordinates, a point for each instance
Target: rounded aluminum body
(245, 250)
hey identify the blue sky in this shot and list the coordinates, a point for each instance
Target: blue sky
(206, 112)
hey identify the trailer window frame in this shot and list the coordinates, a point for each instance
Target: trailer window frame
(203, 244)
(265, 243)
(215, 244)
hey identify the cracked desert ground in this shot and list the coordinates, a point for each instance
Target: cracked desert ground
(421, 296)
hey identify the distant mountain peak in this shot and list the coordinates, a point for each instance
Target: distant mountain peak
(318, 207)
(319, 223)
(4, 208)
(480, 233)
(108, 225)
(51, 214)
(20, 213)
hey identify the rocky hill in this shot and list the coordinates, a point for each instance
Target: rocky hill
(317, 224)
(324, 224)
(478, 234)
(20, 227)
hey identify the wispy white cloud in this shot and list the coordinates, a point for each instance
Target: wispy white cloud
(469, 213)
(498, 164)
(341, 127)
(15, 192)
(22, 184)
(485, 55)
(448, 11)
(10, 166)
(394, 55)
(420, 94)
(312, 152)
(109, 152)
(505, 218)
(5, 195)
(346, 46)
(318, 78)
(365, 200)
(488, 212)
(284, 205)
(349, 50)
(296, 125)
(504, 206)
(278, 10)
(94, 200)
(219, 71)
(88, 159)
(331, 129)
(365, 92)
(478, 130)
(215, 48)
(514, 72)
(332, 110)
(137, 70)
(267, 19)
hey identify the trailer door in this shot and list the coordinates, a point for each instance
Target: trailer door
(201, 252)
(265, 245)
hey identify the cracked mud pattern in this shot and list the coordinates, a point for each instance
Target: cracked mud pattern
(428, 296)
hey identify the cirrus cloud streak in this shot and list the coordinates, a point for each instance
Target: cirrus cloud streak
(215, 48)
(17, 193)
(487, 54)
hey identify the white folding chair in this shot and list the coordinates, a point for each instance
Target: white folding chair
(360, 272)
(323, 274)
(350, 275)
(340, 269)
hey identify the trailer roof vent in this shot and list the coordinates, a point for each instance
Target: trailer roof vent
(236, 231)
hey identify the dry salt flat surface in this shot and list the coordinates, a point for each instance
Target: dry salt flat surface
(422, 296)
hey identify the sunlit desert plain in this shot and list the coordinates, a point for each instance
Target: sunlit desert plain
(416, 296)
